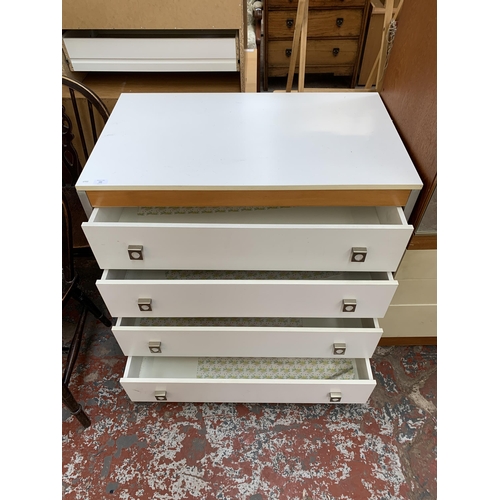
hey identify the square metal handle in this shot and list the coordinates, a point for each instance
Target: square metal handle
(145, 304)
(135, 252)
(335, 397)
(358, 254)
(349, 305)
(154, 347)
(339, 348)
(161, 395)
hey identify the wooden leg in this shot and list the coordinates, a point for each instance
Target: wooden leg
(74, 407)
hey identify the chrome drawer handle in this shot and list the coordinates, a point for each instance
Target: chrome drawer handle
(339, 348)
(161, 395)
(154, 347)
(349, 305)
(358, 254)
(335, 397)
(145, 304)
(135, 252)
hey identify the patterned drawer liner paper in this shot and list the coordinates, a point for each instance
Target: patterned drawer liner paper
(198, 210)
(276, 368)
(242, 322)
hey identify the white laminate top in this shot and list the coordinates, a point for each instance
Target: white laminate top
(231, 141)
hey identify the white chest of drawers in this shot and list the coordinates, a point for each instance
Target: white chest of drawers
(248, 241)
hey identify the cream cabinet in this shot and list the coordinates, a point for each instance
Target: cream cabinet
(248, 242)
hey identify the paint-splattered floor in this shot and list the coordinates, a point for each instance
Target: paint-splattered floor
(383, 450)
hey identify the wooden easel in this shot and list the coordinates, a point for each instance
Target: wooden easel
(390, 14)
(300, 41)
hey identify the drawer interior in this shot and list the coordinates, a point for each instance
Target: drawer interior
(344, 323)
(251, 215)
(145, 367)
(182, 275)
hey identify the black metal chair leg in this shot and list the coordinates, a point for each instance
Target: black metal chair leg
(74, 407)
(79, 295)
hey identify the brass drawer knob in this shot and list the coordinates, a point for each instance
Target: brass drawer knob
(288, 52)
(340, 21)
(135, 252)
(339, 348)
(289, 23)
(145, 304)
(161, 395)
(336, 51)
(154, 347)
(335, 397)
(349, 305)
(359, 254)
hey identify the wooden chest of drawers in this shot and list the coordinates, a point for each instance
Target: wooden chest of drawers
(241, 274)
(334, 37)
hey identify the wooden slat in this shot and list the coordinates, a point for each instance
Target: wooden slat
(268, 198)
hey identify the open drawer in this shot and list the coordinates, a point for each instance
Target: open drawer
(300, 239)
(248, 294)
(248, 337)
(248, 380)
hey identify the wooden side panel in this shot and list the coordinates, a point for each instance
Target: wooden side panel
(151, 14)
(256, 198)
(410, 91)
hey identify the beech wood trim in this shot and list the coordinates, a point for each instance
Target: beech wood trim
(388, 341)
(423, 242)
(268, 198)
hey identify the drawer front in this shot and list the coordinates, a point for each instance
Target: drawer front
(184, 387)
(319, 53)
(293, 4)
(259, 337)
(132, 295)
(320, 23)
(263, 242)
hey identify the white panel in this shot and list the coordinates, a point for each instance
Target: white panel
(248, 391)
(247, 298)
(154, 65)
(152, 54)
(247, 342)
(248, 246)
(410, 321)
(304, 140)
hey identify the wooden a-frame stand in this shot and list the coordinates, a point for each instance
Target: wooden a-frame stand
(299, 46)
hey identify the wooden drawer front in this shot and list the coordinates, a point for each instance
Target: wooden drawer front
(308, 238)
(240, 337)
(319, 53)
(321, 23)
(303, 295)
(293, 4)
(176, 379)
